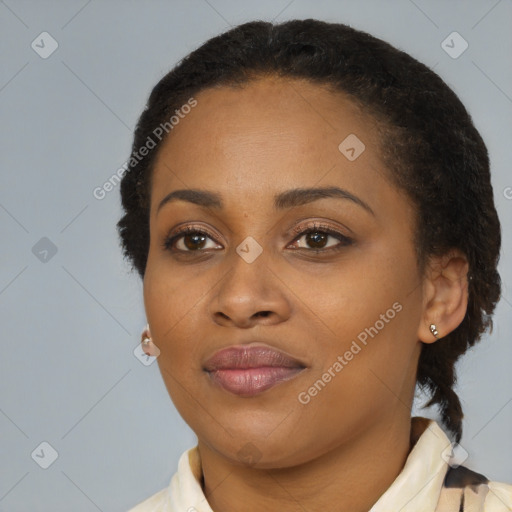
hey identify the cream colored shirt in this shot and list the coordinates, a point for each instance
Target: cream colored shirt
(417, 488)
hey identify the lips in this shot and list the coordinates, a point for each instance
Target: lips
(247, 370)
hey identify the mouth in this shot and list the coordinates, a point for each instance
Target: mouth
(247, 370)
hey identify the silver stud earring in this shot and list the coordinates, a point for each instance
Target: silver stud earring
(433, 330)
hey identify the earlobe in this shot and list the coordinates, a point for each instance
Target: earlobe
(445, 296)
(149, 348)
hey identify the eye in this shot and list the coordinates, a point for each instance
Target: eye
(193, 239)
(190, 238)
(316, 238)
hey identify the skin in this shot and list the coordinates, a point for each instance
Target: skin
(247, 145)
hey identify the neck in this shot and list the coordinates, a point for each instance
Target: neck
(352, 476)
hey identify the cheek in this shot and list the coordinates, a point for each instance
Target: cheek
(171, 305)
(369, 312)
(367, 288)
(171, 308)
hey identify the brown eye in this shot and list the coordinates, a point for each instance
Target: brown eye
(316, 239)
(194, 241)
(189, 239)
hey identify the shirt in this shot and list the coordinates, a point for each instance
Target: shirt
(430, 481)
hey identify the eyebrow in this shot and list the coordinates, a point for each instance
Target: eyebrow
(287, 199)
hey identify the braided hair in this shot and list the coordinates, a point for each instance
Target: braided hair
(429, 145)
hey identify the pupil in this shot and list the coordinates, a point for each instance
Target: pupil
(317, 239)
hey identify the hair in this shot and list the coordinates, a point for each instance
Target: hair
(429, 145)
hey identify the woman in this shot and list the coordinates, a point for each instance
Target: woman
(311, 212)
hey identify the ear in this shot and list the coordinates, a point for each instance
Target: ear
(445, 295)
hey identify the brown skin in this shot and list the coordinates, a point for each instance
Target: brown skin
(348, 444)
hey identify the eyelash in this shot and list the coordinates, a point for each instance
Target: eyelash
(299, 232)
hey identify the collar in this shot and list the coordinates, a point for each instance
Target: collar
(418, 485)
(415, 489)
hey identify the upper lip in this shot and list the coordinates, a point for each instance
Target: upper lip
(253, 355)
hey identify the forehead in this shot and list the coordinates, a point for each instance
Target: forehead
(268, 135)
(272, 105)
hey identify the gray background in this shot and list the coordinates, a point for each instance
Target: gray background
(71, 320)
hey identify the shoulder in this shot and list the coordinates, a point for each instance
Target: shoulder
(184, 488)
(474, 491)
(499, 497)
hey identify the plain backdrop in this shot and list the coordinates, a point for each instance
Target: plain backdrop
(72, 313)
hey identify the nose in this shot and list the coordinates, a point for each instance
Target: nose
(250, 294)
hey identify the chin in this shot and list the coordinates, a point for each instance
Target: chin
(251, 450)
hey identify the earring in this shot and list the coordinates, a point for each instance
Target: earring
(148, 346)
(433, 330)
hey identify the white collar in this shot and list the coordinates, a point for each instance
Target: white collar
(418, 485)
(415, 489)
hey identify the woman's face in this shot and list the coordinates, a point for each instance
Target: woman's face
(343, 303)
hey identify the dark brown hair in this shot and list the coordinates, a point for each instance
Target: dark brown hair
(429, 144)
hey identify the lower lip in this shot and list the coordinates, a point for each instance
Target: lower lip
(251, 381)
